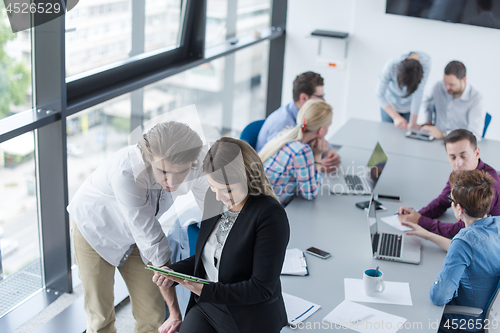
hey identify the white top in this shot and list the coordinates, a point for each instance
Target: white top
(209, 253)
(118, 205)
(452, 113)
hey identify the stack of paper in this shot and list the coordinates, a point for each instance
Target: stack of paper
(295, 263)
(394, 293)
(298, 309)
(363, 319)
(394, 222)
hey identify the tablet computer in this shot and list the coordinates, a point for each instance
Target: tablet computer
(419, 135)
(178, 275)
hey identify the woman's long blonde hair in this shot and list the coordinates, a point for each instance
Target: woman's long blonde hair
(239, 163)
(312, 115)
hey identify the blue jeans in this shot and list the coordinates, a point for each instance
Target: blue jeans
(386, 118)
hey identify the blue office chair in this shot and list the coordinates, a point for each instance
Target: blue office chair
(487, 121)
(492, 311)
(251, 132)
(192, 230)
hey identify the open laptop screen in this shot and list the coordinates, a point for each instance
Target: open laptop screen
(372, 222)
(376, 164)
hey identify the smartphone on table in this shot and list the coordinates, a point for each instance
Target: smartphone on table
(318, 253)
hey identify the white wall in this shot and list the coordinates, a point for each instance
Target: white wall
(301, 50)
(374, 38)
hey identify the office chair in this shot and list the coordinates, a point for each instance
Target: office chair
(192, 230)
(492, 311)
(487, 121)
(251, 132)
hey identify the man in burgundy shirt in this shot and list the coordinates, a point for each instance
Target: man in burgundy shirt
(463, 154)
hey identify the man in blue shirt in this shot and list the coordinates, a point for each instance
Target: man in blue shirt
(308, 85)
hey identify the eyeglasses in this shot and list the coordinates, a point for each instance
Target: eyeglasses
(450, 199)
(319, 96)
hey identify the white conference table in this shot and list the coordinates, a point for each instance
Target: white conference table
(364, 134)
(333, 223)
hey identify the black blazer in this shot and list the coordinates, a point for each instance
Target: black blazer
(250, 264)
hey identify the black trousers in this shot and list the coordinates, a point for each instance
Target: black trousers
(208, 318)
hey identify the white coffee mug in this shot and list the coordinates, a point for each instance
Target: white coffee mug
(374, 284)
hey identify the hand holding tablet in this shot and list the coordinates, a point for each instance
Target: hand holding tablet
(419, 135)
(178, 275)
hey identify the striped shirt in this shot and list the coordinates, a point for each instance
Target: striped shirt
(291, 171)
(388, 91)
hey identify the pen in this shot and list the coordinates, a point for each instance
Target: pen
(361, 319)
(312, 306)
(403, 211)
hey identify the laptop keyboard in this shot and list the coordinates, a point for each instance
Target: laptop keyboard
(354, 183)
(390, 245)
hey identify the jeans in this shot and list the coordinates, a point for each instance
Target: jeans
(386, 118)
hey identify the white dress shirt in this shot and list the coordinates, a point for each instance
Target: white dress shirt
(119, 205)
(452, 113)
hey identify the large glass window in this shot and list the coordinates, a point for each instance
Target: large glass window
(163, 23)
(20, 273)
(251, 17)
(15, 68)
(100, 33)
(216, 22)
(94, 134)
(239, 98)
(250, 86)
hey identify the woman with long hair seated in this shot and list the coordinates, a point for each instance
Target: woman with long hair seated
(292, 160)
(241, 248)
(471, 269)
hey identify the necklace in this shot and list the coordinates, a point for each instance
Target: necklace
(227, 220)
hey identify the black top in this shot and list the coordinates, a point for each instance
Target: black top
(250, 264)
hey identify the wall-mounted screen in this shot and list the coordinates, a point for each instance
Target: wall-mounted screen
(483, 13)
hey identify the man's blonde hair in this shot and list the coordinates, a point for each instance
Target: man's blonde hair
(171, 141)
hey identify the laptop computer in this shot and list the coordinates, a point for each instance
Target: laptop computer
(389, 246)
(354, 181)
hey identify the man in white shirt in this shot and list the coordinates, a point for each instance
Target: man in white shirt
(455, 104)
(115, 214)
